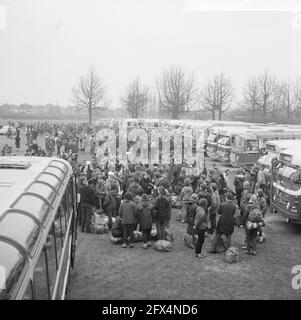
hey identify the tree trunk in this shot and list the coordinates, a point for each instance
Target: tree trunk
(90, 116)
(213, 115)
(219, 115)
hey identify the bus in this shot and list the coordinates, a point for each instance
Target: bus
(38, 227)
(286, 185)
(248, 145)
(224, 144)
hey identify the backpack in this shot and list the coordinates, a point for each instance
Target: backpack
(255, 215)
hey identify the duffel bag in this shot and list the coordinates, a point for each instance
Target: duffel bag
(231, 255)
(163, 245)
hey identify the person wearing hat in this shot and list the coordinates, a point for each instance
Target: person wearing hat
(225, 226)
(191, 211)
(162, 211)
(238, 184)
(244, 194)
(214, 207)
(203, 192)
(185, 196)
(145, 217)
(127, 211)
(200, 226)
(263, 207)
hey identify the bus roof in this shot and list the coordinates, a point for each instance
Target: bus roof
(285, 143)
(31, 189)
(17, 174)
(291, 155)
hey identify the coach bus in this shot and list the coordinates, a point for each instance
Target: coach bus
(286, 185)
(225, 143)
(38, 227)
(248, 145)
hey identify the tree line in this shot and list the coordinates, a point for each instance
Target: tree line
(176, 95)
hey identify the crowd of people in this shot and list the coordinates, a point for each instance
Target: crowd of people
(142, 195)
(136, 195)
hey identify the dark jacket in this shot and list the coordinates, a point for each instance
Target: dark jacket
(145, 214)
(110, 202)
(226, 221)
(247, 210)
(191, 211)
(135, 189)
(238, 183)
(201, 218)
(117, 229)
(88, 196)
(162, 209)
(127, 211)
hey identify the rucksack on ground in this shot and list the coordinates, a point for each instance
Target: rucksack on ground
(163, 245)
(231, 255)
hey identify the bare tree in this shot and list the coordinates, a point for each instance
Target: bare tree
(217, 95)
(136, 98)
(288, 101)
(176, 93)
(269, 94)
(250, 96)
(90, 94)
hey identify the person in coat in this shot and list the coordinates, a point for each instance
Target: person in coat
(162, 210)
(110, 205)
(127, 212)
(88, 200)
(191, 211)
(145, 217)
(238, 184)
(214, 208)
(225, 225)
(185, 196)
(200, 226)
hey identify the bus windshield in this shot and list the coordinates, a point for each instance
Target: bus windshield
(225, 141)
(252, 145)
(288, 177)
(212, 137)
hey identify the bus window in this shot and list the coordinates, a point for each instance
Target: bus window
(252, 145)
(53, 262)
(29, 292)
(34, 205)
(40, 278)
(21, 228)
(12, 263)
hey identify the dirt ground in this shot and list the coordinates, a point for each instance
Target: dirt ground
(106, 271)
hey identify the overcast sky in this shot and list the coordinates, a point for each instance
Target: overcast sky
(46, 45)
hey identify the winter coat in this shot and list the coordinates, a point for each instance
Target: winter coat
(162, 209)
(201, 218)
(186, 193)
(145, 214)
(127, 211)
(135, 189)
(226, 222)
(238, 182)
(117, 229)
(215, 202)
(191, 212)
(110, 202)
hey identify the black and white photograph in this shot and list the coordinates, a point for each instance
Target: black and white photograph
(150, 151)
